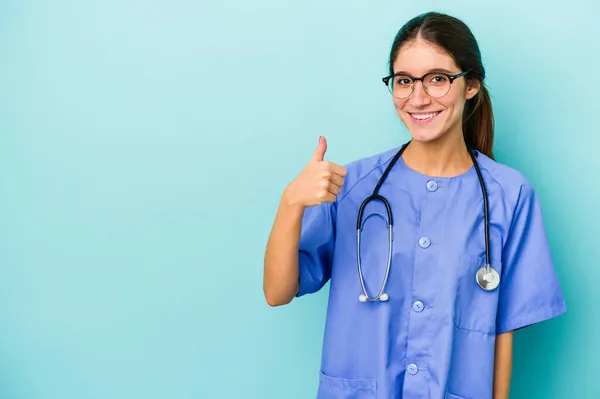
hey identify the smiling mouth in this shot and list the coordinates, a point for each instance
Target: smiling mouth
(424, 118)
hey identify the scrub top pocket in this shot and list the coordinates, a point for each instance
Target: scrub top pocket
(451, 396)
(346, 388)
(475, 309)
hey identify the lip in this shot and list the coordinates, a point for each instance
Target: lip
(423, 122)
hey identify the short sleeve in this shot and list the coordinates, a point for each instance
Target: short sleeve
(529, 288)
(317, 240)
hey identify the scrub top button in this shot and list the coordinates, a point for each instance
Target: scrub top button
(412, 369)
(432, 185)
(424, 242)
(418, 306)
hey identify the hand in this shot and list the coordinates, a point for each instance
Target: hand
(319, 182)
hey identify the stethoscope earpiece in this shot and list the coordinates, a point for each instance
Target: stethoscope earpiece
(382, 298)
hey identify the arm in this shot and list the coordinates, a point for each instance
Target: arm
(280, 280)
(320, 182)
(526, 256)
(503, 365)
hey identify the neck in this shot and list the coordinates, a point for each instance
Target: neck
(445, 157)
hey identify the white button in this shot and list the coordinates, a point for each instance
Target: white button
(424, 242)
(412, 369)
(432, 185)
(418, 306)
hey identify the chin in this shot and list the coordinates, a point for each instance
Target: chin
(424, 136)
(425, 133)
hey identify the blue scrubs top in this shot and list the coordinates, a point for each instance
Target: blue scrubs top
(435, 336)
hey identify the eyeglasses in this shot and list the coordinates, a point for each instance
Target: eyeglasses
(435, 84)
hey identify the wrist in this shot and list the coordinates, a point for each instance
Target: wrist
(290, 201)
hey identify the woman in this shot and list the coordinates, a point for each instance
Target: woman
(441, 325)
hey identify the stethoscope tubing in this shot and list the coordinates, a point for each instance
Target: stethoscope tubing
(376, 196)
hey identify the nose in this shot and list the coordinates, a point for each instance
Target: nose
(419, 96)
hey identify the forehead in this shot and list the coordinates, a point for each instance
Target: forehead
(419, 57)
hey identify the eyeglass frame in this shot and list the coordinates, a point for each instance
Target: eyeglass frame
(450, 77)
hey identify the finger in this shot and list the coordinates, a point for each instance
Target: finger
(326, 196)
(339, 170)
(336, 179)
(334, 189)
(330, 198)
(319, 154)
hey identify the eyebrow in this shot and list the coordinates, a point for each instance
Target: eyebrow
(430, 71)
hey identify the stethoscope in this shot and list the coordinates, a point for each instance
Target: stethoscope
(487, 277)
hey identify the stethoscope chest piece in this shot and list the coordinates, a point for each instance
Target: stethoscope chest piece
(487, 278)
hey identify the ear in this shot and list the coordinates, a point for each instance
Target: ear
(473, 87)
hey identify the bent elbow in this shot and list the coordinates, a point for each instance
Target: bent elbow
(276, 300)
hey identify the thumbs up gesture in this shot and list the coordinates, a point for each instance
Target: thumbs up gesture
(319, 182)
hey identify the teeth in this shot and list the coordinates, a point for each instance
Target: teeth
(425, 116)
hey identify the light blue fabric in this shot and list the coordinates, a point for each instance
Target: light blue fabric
(443, 346)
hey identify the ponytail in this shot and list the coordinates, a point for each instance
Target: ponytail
(478, 122)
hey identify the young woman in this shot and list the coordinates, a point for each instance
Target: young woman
(431, 276)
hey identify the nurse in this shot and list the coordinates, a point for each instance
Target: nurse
(438, 335)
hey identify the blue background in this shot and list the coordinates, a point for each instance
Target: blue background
(144, 146)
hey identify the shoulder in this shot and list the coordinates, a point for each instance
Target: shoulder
(513, 183)
(359, 169)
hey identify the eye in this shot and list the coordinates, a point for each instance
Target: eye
(402, 81)
(437, 79)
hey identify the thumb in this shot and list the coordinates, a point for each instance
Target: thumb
(320, 152)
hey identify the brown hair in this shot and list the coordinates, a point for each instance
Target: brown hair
(455, 38)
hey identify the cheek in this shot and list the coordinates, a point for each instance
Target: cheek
(453, 108)
(399, 104)
(454, 102)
